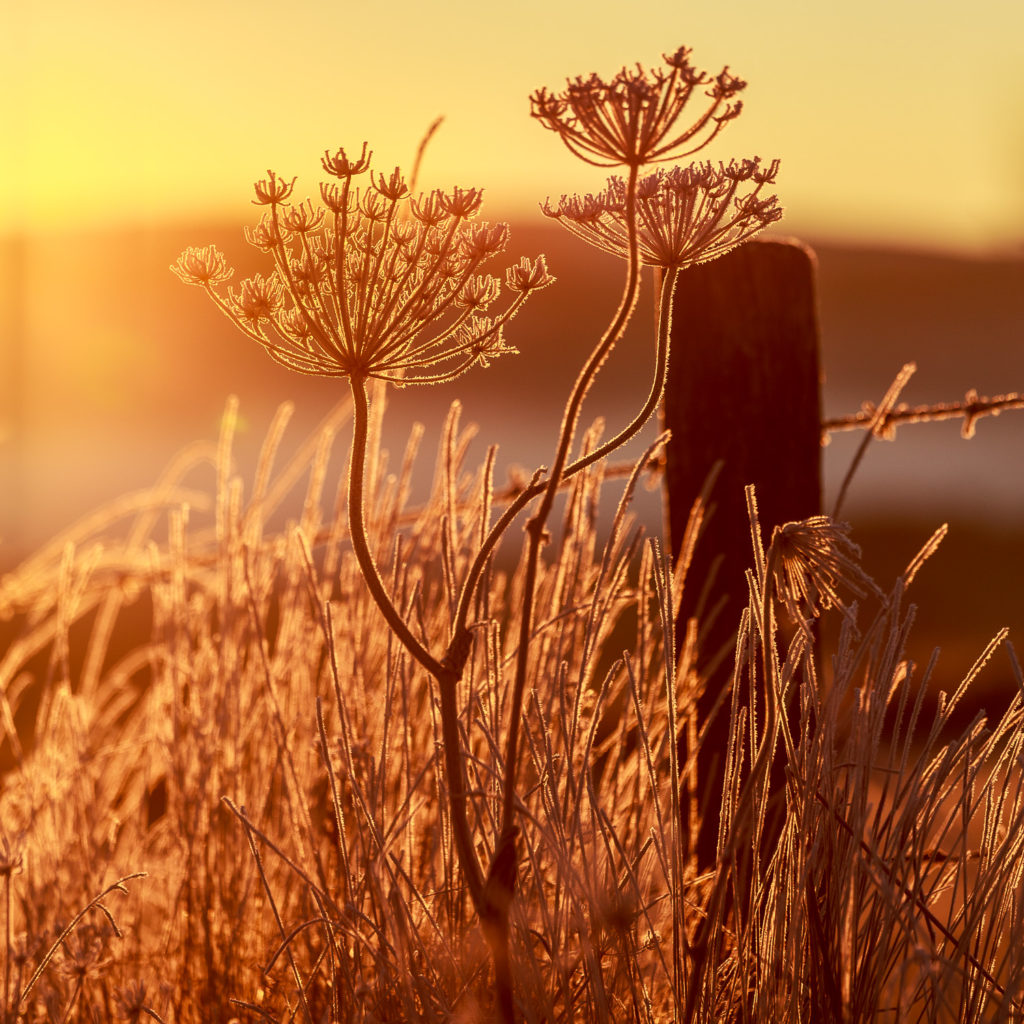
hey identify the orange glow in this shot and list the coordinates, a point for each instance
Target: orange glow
(132, 132)
(899, 122)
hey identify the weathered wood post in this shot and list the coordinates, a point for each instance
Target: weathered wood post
(743, 389)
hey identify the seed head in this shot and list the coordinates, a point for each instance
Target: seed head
(374, 282)
(84, 954)
(272, 190)
(478, 292)
(258, 299)
(303, 218)
(634, 119)
(205, 267)
(528, 276)
(685, 216)
(268, 235)
(392, 188)
(817, 567)
(485, 340)
(11, 854)
(131, 1003)
(342, 167)
(461, 202)
(482, 241)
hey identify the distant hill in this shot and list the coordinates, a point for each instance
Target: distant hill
(108, 364)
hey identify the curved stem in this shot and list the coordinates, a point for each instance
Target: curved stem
(357, 531)
(501, 876)
(7, 945)
(666, 292)
(446, 672)
(536, 527)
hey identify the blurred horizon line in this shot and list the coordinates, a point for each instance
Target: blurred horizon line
(813, 233)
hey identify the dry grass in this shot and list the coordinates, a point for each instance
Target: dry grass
(277, 803)
(270, 757)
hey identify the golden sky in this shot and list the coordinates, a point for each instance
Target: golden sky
(897, 120)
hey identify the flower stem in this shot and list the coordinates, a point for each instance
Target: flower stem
(446, 672)
(7, 945)
(536, 528)
(665, 294)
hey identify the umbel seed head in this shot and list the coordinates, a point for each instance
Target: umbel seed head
(685, 215)
(373, 283)
(636, 118)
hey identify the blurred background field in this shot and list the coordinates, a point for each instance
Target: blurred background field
(115, 367)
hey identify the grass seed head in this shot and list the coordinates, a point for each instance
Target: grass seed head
(817, 567)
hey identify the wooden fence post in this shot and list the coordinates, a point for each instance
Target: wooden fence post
(744, 390)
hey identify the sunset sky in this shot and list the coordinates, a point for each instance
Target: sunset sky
(896, 120)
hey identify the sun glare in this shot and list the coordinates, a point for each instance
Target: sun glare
(129, 113)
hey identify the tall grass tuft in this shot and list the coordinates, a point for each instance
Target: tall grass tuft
(271, 759)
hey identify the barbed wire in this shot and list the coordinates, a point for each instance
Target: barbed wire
(971, 409)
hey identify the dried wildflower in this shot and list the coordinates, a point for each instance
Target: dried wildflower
(632, 120)
(11, 854)
(359, 281)
(685, 216)
(303, 218)
(816, 567)
(528, 276)
(485, 341)
(272, 190)
(131, 1004)
(83, 953)
(342, 167)
(202, 266)
(259, 299)
(266, 236)
(478, 292)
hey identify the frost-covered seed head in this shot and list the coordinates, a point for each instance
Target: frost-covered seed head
(685, 215)
(372, 283)
(635, 118)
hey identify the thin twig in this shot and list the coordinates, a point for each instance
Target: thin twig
(421, 149)
(887, 404)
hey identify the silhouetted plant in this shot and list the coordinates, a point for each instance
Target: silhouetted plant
(356, 281)
(272, 754)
